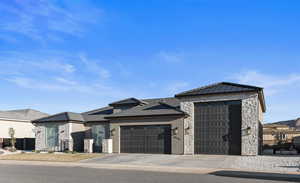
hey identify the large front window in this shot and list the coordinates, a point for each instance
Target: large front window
(98, 133)
(52, 136)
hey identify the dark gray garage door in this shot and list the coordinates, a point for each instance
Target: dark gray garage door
(218, 128)
(146, 139)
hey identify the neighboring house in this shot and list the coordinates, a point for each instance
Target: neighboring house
(294, 123)
(20, 121)
(222, 118)
(281, 134)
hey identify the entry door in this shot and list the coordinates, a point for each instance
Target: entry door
(217, 128)
(154, 139)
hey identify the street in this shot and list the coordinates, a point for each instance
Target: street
(51, 174)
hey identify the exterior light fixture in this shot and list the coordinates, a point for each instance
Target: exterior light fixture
(187, 130)
(248, 130)
(112, 132)
(175, 131)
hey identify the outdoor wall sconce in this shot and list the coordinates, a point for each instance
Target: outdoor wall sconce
(187, 130)
(113, 132)
(175, 131)
(247, 131)
(62, 131)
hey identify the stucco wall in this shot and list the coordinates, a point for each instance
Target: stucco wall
(22, 129)
(250, 118)
(175, 122)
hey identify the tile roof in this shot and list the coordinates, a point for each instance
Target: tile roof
(153, 108)
(218, 88)
(127, 101)
(22, 114)
(61, 117)
(157, 106)
(97, 114)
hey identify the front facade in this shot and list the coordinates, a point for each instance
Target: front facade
(223, 118)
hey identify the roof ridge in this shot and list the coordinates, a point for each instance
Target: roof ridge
(218, 83)
(241, 85)
(199, 88)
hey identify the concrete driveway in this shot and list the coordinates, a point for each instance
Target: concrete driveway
(254, 163)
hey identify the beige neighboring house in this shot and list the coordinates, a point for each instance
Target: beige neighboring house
(20, 121)
(281, 134)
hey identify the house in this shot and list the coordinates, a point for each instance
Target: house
(222, 118)
(20, 121)
(281, 135)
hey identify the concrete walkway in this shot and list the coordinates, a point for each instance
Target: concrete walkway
(249, 163)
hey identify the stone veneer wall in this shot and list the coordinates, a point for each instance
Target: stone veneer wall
(250, 118)
(63, 130)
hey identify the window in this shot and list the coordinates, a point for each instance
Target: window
(52, 136)
(98, 133)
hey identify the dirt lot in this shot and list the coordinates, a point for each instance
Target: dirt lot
(49, 157)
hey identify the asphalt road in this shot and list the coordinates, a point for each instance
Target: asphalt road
(50, 174)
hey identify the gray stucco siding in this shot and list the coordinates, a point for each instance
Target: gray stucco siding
(175, 122)
(250, 118)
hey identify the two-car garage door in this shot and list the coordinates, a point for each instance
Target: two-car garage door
(154, 139)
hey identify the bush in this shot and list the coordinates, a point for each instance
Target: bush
(37, 151)
(51, 152)
(67, 151)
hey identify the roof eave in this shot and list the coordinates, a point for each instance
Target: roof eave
(262, 99)
(59, 121)
(216, 93)
(114, 117)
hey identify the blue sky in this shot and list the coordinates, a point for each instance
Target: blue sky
(72, 55)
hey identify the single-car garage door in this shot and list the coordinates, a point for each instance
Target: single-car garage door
(218, 128)
(154, 139)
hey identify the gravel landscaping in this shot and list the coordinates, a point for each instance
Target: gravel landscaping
(268, 163)
(252, 163)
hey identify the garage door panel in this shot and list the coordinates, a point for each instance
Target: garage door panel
(146, 139)
(217, 127)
